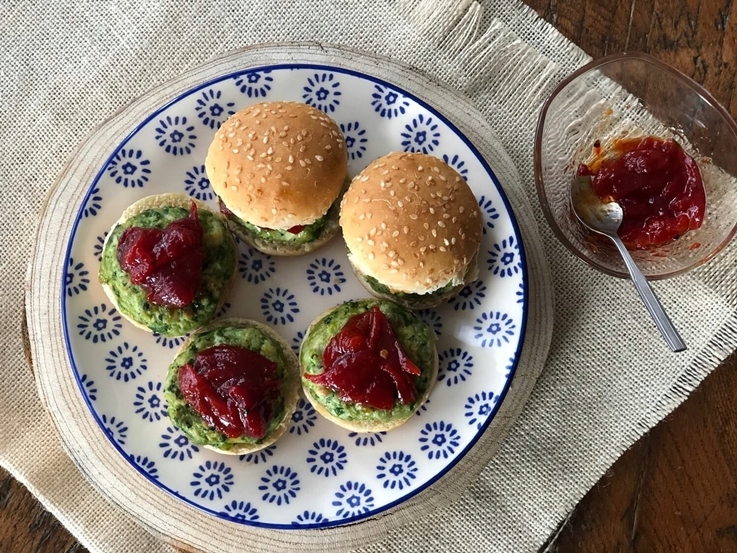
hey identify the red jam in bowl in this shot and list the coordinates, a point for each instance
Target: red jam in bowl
(233, 389)
(364, 364)
(658, 185)
(167, 263)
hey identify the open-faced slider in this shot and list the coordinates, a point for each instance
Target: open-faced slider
(233, 386)
(368, 365)
(168, 263)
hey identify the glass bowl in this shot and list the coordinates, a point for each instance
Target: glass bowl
(629, 95)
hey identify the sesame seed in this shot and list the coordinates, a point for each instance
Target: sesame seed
(391, 193)
(270, 150)
(302, 147)
(394, 271)
(463, 236)
(432, 211)
(402, 180)
(291, 159)
(328, 147)
(422, 265)
(266, 140)
(436, 169)
(413, 243)
(263, 180)
(319, 158)
(395, 234)
(270, 168)
(231, 134)
(434, 233)
(392, 254)
(405, 230)
(394, 263)
(453, 240)
(460, 209)
(445, 241)
(383, 225)
(238, 180)
(441, 224)
(419, 168)
(400, 203)
(288, 168)
(442, 249)
(302, 163)
(442, 178)
(426, 225)
(249, 158)
(364, 178)
(234, 187)
(413, 216)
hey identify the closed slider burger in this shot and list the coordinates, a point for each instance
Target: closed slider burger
(279, 169)
(413, 228)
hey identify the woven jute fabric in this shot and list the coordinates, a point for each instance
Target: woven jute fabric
(68, 66)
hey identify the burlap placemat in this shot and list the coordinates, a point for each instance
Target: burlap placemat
(69, 65)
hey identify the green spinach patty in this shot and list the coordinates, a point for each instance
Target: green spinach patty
(409, 298)
(414, 336)
(217, 271)
(185, 418)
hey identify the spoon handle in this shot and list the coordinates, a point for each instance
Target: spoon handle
(664, 324)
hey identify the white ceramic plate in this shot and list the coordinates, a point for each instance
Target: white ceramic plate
(317, 475)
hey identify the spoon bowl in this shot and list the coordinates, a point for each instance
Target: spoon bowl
(604, 217)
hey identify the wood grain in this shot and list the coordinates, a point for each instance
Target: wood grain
(675, 489)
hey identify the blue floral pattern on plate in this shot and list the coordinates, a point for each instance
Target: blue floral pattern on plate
(355, 139)
(149, 402)
(212, 110)
(325, 276)
(470, 297)
(166, 154)
(504, 259)
(197, 185)
(352, 499)
(455, 365)
(89, 387)
(125, 362)
(212, 479)
(458, 164)
(240, 510)
(368, 439)
(388, 103)
(99, 324)
(94, 203)
(439, 439)
(396, 469)
(421, 135)
(303, 418)
(432, 319)
(255, 84)
(146, 465)
(308, 517)
(478, 408)
(115, 428)
(279, 306)
(169, 342)
(255, 267)
(176, 446)
(494, 329)
(326, 457)
(130, 168)
(99, 242)
(489, 213)
(77, 278)
(260, 456)
(175, 135)
(280, 484)
(322, 91)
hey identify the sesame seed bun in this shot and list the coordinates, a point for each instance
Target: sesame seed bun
(412, 223)
(291, 389)
(278, 164)
(158, 201)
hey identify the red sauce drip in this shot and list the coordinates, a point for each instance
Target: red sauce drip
(364, 364)
(167, 263)
(659, 187)
(233, 389)
(294, 230)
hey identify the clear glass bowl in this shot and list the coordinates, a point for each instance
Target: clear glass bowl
(628, 95)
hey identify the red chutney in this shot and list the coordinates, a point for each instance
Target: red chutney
(293, 230)
(233, 389)
(364, 364)
(167, 263)
(658, 185)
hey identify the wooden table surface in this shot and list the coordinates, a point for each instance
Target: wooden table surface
(676, 488)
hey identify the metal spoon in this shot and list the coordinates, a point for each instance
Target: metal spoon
(605, 218)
